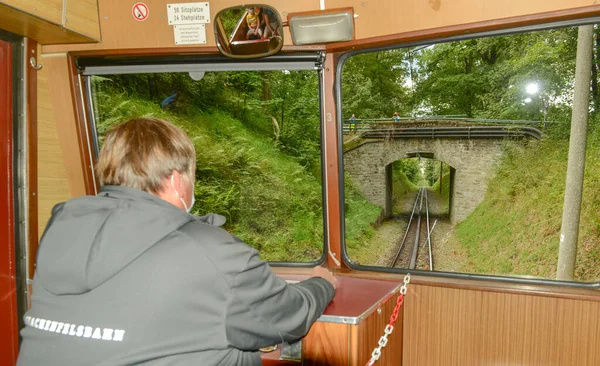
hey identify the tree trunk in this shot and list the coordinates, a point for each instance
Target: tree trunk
(567, 253)
(266, 86)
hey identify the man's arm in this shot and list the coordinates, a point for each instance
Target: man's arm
(261, 309)
(265, 310)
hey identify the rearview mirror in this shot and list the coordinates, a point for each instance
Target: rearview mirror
(248, 31)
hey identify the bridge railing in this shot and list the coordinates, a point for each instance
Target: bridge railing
(367, 124)
(469, 132)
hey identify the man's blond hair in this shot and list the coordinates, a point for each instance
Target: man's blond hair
(140, 152)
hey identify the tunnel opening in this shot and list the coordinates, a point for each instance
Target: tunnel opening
(404, 177)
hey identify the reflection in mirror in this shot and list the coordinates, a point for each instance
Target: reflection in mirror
(249, 31)
(473, 135)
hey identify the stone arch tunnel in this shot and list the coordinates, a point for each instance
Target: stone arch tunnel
(368, 164)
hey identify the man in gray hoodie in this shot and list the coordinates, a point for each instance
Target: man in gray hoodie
(129, 277)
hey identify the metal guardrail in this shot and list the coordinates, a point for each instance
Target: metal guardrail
(453, 132)
(456, 118)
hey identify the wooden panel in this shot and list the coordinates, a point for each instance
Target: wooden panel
(375, 19)
(326, 344)
(41, 30)
(52, 173)
(364, 337)
(467, 327)
(57, 67)
(458, 29)
(378, 18)
(50, 10)
(116, 19)
(81, 16)
(573, 293)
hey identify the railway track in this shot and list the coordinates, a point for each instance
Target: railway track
(414, 248)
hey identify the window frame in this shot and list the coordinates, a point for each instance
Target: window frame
(430, 41)
(93, 65)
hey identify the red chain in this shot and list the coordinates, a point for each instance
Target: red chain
(399, 303)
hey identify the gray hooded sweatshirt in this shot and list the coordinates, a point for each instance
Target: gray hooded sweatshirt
(126, 278)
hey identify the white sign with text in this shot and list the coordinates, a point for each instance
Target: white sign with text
(190, 34)
(188, 13)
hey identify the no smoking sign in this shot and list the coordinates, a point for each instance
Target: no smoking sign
(140, 11)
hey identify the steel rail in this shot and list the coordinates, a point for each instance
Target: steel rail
(428, 232)
(413, 259)
(406, 232)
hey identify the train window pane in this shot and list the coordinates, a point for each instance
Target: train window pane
(257, 137)
(473, 135)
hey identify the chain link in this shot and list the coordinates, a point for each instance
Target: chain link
(389, 328)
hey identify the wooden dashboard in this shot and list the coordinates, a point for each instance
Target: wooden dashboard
(350, 327)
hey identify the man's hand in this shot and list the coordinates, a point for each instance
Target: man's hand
(319, 271)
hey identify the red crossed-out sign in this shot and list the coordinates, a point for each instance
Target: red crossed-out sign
(140, 11)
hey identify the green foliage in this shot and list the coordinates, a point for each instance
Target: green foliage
(231, 18)
(401, 186)
(360, 216)
(479, 78)
(270, 192)
(406, 175)
(515, 231)
(410, 168)
(445, 189)
(487, 77)
(373, 85)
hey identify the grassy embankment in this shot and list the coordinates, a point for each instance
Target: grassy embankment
(270, 199)
(516, 229)
(445, 193)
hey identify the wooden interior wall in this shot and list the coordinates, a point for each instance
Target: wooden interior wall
(116, 20)
(384, 17)
(375, 18)
(452, 326)
(53, 180)
(364, 337)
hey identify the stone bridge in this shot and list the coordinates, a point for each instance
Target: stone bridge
(471, 153)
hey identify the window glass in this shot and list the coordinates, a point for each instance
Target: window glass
(257, 138)
(479, 130)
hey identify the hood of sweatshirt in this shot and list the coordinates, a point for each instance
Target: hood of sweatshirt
(90, 239)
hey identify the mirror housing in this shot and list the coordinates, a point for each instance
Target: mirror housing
(241, 32)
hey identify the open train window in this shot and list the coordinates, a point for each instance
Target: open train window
(473, 136)
(257, 132)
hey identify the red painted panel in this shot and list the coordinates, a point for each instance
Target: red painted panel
(355, 296)
(9, 345)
